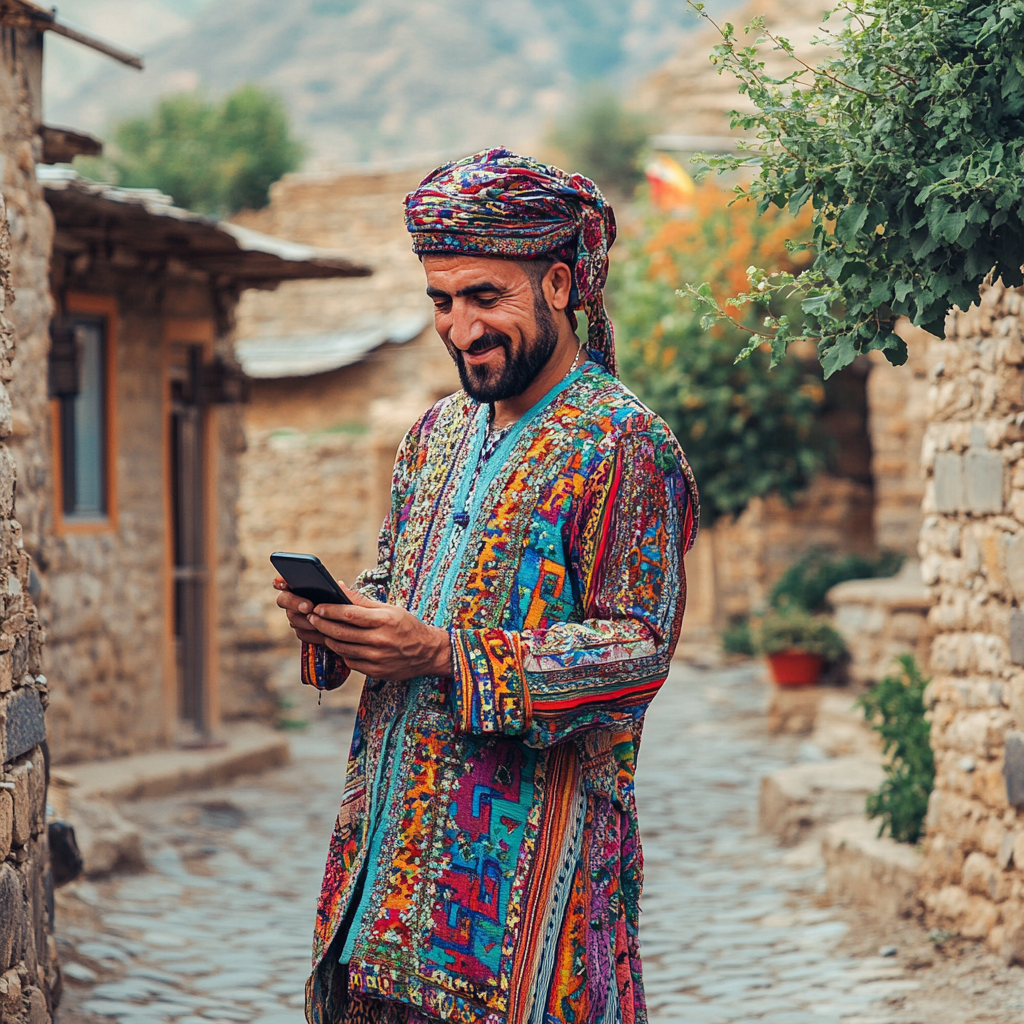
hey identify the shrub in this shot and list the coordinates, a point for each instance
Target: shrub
(907, 143)
(738, 638)
(806, 582)
(795, 629)
(747, 433)
(896, 710)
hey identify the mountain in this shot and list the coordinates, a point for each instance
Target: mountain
(376, 79)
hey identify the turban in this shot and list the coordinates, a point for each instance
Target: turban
(499, 204)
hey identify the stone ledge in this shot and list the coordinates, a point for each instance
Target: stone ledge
(249, 748)
(894, 593)
(863, 870)
(797, 799)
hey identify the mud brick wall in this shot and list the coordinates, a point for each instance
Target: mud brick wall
(972, 551)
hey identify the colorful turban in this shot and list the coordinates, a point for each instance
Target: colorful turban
(499, 204)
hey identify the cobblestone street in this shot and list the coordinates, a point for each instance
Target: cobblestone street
(733, 930)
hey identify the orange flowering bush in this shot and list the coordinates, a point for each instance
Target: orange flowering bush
(747, 432)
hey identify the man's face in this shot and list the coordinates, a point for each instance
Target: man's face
(495, 322)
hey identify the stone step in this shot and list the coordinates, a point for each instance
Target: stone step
(799, 798)
(864, 870)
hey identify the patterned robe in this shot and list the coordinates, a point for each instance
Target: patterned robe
(486, 863)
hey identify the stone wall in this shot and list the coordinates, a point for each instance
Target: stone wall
(972, 551)
(897, 417)
(29, 975)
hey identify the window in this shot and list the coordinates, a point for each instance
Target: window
(78, 382)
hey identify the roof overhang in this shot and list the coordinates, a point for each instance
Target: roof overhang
(144, 221)
(307, 355)
(24, 14)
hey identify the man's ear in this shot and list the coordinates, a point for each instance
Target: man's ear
(557, 286)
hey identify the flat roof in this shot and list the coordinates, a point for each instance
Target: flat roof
(147, 222)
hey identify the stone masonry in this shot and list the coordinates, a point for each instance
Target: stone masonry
(28, 961)
(972, 551)
(29, 975)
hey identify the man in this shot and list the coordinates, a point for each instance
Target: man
(486, 863)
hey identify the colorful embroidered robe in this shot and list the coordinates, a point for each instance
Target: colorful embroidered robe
(486, 864)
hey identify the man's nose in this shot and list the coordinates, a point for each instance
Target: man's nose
(466, 326)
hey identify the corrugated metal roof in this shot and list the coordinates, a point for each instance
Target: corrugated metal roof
(147, 222)
(275, 358)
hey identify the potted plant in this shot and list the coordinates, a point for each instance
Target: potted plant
(797, 646)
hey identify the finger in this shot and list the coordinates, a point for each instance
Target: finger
(309, 636)
(279, 583)
(298, 619)
(363, 616)
(346, 632)
(361, 658)
(293, 602)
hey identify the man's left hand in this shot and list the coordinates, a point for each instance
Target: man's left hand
(383, 641)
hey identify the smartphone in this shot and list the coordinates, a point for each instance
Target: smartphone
(307, 577)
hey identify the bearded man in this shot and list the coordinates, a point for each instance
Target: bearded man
(486, 865)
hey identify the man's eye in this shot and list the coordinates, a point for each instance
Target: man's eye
(442, 307)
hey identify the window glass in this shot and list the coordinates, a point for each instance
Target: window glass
(83, 421)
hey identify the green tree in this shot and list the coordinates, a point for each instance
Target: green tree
(214, 158)
(908, 144)
(746, 433)
(603, 140)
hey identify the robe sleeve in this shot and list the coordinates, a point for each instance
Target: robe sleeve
(637, 519)
(321, 667)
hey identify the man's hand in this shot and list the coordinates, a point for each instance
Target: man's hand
(297, 609)
(380, 640)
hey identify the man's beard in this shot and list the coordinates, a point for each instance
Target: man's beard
(520, 369)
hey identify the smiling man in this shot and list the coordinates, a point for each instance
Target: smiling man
(486, 865)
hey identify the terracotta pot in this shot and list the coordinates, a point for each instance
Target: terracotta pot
(796, 668)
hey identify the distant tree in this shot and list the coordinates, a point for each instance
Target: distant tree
(214, 158)
(603, 140)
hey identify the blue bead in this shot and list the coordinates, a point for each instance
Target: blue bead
(461, 518)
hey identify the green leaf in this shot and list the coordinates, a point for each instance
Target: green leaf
(851, 220)
(839, 355)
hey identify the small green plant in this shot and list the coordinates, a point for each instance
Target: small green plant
(738, 638)
(896, 710)
(795, 629)
(806, 582)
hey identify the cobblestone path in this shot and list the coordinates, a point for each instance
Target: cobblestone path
(732, 930)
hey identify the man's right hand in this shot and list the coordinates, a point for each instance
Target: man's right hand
(297, 609)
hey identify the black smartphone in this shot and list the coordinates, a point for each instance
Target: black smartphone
(307, 577)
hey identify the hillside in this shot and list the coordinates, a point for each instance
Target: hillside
(375, 79)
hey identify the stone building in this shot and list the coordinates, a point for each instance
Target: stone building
(339, 371)
(29, 971)
(972, 549)
(130, 428)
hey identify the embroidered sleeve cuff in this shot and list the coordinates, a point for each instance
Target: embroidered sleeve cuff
(322, 668)
(489, 691)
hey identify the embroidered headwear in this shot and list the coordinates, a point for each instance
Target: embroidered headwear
(499, 204)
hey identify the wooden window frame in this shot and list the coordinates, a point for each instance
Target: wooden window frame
(80, 303)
